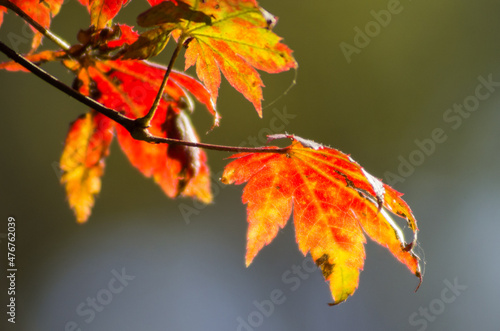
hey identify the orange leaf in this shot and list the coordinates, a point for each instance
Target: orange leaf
(130, 87)
(39, 58)
(231, 36)
(102, 11)
(41, 11)
(334, 201)
(82, 161)
(178, 170)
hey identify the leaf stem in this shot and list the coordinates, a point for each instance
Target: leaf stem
(146, 120)
(136, 130)
(57, 40)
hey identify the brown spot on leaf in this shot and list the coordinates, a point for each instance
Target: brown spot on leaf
(325, 266)
(187, 41)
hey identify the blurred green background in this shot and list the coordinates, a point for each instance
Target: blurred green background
(189, 273)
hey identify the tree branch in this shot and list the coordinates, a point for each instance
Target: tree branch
(136, 130)
(108, 112)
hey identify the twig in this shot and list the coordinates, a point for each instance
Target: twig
(146, 120)
(137, 131)
(108, 112)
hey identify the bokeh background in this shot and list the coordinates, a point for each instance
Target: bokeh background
(188, 273)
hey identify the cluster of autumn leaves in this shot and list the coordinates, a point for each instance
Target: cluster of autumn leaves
(334, 200)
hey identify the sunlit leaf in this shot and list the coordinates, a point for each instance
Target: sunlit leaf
(334, 202)
(82, 161)
(38, 58)
(130, 87)
(231, 36)
(102, 11)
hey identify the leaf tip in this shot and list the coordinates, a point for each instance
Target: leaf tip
(81, 219)
(421, 279)
(248, 260)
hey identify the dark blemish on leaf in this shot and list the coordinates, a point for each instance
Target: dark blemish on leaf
(362, 192)
(278, 187)
(94, 91)
(216, 6)
(44, 3)
(187, 41)
(110, 71)
(406, 247)
(270, 19)
(348, 182)
(325, 265)
(116, 81)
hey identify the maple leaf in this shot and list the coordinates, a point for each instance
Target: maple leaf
(102, 11)
(130, 87)
(334, 201)
(38, 58)
(231, 36)
(82, 161)
(41, 11)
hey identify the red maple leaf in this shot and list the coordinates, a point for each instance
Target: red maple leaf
(334, 202)
(128, 86)
(102, 11)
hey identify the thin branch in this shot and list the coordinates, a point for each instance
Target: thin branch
(108, 112)
(146, 120)
(58, 41)
(137, 131)
(221, 148)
